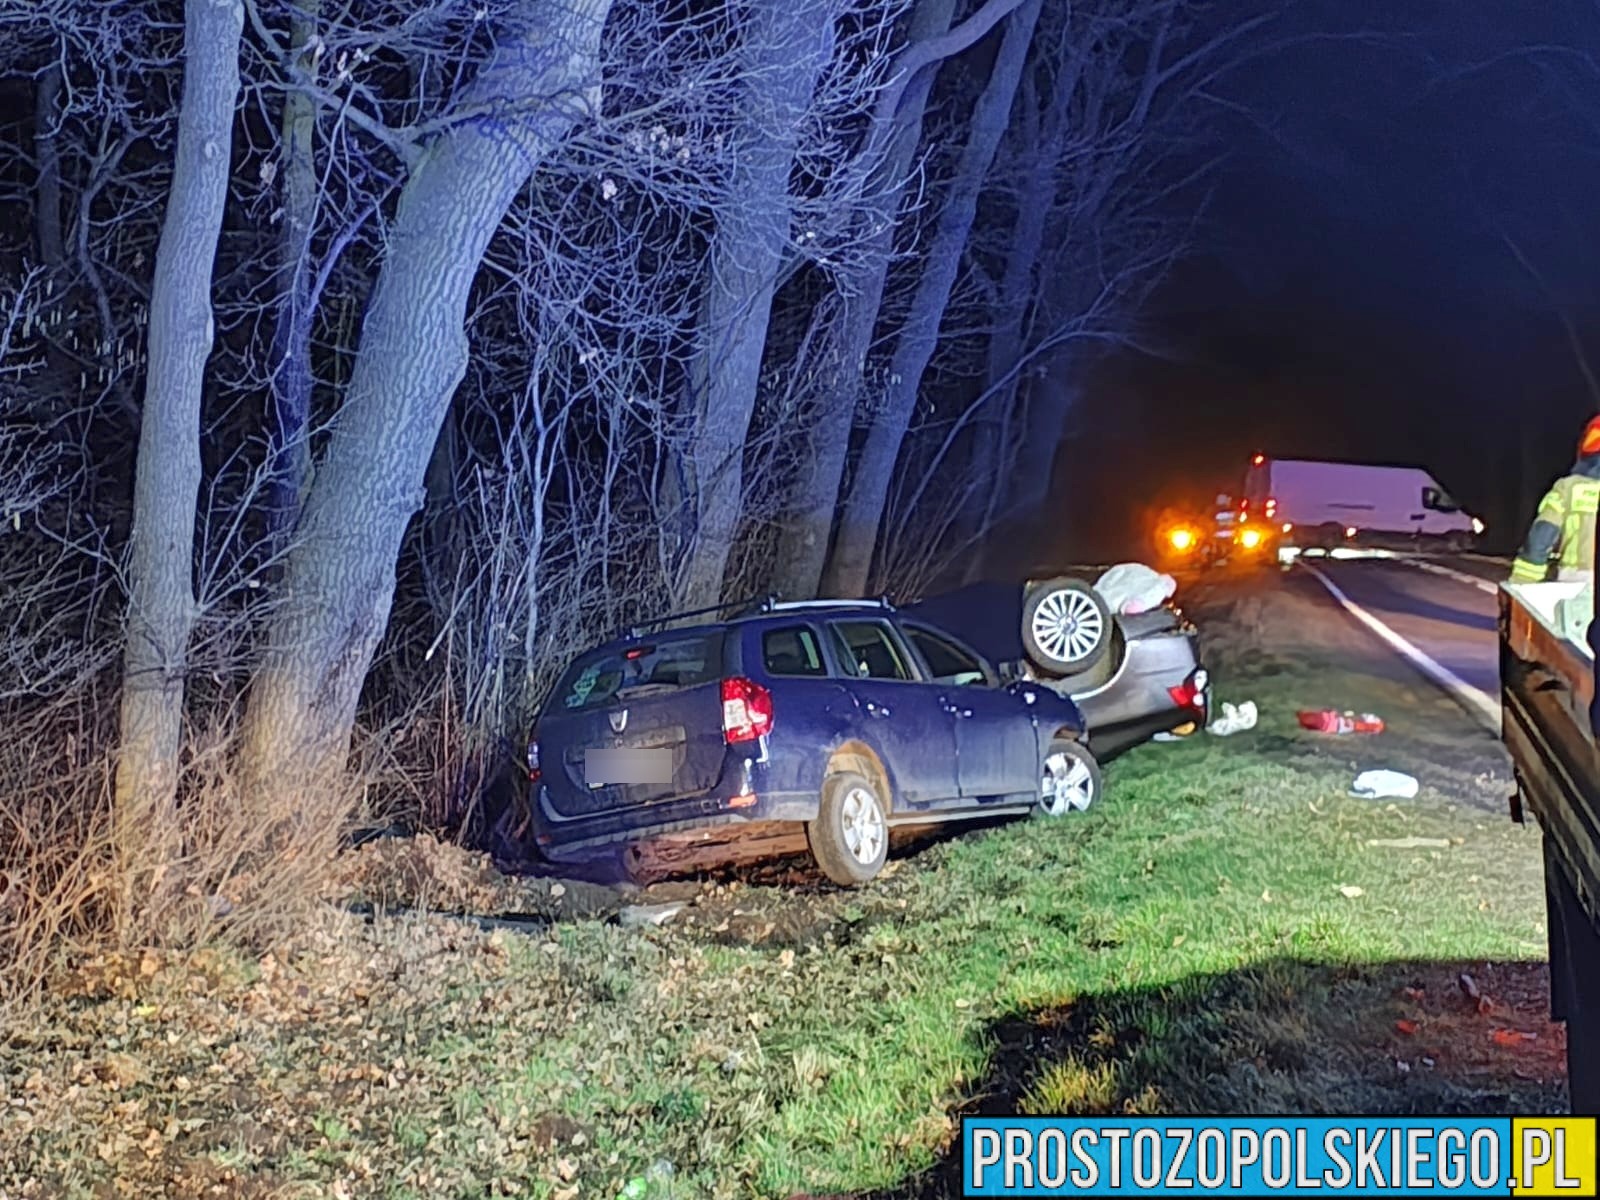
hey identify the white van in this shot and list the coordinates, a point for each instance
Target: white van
(1329, 504)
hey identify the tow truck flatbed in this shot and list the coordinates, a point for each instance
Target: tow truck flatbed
(1547, 678)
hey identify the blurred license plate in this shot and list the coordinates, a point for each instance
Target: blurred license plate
(602, 768)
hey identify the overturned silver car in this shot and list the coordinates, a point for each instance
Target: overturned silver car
(1133, 675)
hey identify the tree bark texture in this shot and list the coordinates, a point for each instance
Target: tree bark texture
(47, 157)
(808, 527)
(48, 228)
(167, 478)
(290, 361)
(339, 576)
(850, 563)
(1049, 402)
(991, 445)
(789, 46)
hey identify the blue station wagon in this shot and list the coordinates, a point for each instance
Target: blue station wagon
(830, 722)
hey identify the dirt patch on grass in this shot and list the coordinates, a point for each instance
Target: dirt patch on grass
(425, 873)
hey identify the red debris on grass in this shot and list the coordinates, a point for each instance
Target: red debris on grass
(1331, 720)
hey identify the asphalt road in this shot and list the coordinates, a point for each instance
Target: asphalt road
(1451, 620)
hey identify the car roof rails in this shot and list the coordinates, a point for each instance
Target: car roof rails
(775, 604)
(637, 629)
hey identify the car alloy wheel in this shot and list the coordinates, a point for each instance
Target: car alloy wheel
(1066, 627)
(1069, 784)
(863, 825)
(849, 837)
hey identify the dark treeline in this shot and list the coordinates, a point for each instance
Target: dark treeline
(362, 360)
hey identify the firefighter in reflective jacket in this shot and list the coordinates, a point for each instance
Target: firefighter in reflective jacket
(1563, 532)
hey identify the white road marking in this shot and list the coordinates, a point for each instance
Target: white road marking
(1477, 581)
(1472, 697)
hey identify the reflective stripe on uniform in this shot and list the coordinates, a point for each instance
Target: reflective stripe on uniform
(1523, 571)
(1577, 530)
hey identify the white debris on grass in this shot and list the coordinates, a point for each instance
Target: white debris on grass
(1379, 785)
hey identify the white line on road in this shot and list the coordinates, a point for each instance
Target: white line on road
(1474, 698)
(1477, 581)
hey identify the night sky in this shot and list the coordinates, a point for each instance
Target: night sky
(1355, 290)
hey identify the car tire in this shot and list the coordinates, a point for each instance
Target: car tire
(1066, 627)
(850, 837)
(1069, 778)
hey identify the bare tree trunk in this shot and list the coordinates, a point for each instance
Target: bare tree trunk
(990, 444)
(167, 482)
(47, 207)
(851, 560)
(290, 360)
(803, 545)
(47, 156)
(1048, 405)
(790, 46)
(339, 575)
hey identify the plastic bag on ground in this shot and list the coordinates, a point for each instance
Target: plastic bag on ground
(1235, 718)
(1132, 588)
(1383, 785)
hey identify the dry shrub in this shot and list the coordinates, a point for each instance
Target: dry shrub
(220, 871)
(54, 837)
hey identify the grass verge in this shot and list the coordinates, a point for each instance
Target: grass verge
(1229, 931)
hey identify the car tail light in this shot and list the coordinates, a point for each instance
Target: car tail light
(533, 757)
(1191, 692)
(746, 711)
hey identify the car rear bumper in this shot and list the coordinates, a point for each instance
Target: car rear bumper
(1137, 703)
(733, 804)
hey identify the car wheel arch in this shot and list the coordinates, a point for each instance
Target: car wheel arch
(864, 761)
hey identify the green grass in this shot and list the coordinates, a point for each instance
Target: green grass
(1195, 943)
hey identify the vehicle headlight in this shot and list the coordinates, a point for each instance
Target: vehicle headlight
(1181, 539)
(1477, 525)
(1250, 538)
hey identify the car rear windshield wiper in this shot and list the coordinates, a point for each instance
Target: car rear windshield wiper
(643, 689)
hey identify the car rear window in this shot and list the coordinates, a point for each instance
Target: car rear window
(792, 651)
(667, 665)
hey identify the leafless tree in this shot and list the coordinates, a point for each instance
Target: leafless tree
(889, 150)
(1103, 154)
(290, 364)
(861, 513)
(161, 599)
(538, 81)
